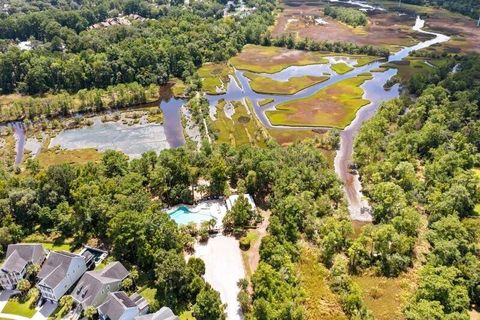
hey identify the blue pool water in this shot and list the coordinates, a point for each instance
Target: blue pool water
(183, 215)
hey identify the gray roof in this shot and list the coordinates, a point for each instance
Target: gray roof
(19, 255)
(55, 268)
(164, 313)
(93, 282)
(117, 303)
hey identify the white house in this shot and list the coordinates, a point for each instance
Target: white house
(59, 273)
(19, 257)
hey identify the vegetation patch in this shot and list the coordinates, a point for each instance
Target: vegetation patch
(341, 68)
(334, 106)
(264, 102)
(215, 77)
(350, 16)
(55, 156)
(383, 296)
(267, 85)
(320, 301)
(14, 306)
(274, 59)
(241, 129)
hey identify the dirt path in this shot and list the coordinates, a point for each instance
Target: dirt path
(253, 254)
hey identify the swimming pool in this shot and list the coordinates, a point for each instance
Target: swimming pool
(184, 215)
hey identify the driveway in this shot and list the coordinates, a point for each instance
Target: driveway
(45, 311)
(223, 269)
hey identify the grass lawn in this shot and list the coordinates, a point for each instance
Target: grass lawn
(341, 68)
(56, 156)
(149, 294)
(273, 59)
(186, 315)
(13, 306)
(263, 102)
(214, 77)
(383, 296)
(242, 129)
(334, 106)
(320, 301)
(261, 84)
(56, 246)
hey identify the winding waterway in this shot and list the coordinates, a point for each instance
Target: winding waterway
(373, 91)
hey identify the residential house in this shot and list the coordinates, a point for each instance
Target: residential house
(94, 287)
(59, 273)
(19, 258)
(119, 306)
(163, 314)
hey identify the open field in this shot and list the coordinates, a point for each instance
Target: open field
(261, 84)
(273, 59)
(341, 68)
(320, 301)
(214, 77)
(242, 128)
(57, 156)
(334, 106)
(409, 67)
(386, 29)
(383, 296)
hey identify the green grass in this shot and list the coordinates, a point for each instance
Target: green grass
(264, 102)
(214, 77)
(178, 88)
(364, 60)
(149, 294)
(341, 68)
(267, 85)
(13, 306)
(334, 106)
(320, 301)
(56, 246)
(383, 296)
(242, 129)
(186, 315)
(409, 67)
(56, 156)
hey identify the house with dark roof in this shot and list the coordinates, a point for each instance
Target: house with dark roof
(19, 257)
(59, 273)
(94, 287)
(119, 306)
(164, 313)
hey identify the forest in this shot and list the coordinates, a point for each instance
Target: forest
(352, 17)
(68, 57)
(418, 158)
(469, 8)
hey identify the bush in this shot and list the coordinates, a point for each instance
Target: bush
(244, 243)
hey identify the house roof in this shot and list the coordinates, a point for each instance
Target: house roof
(164, 313)
(19, 255)
(55, 268)
(118, 302)
(93, 282)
